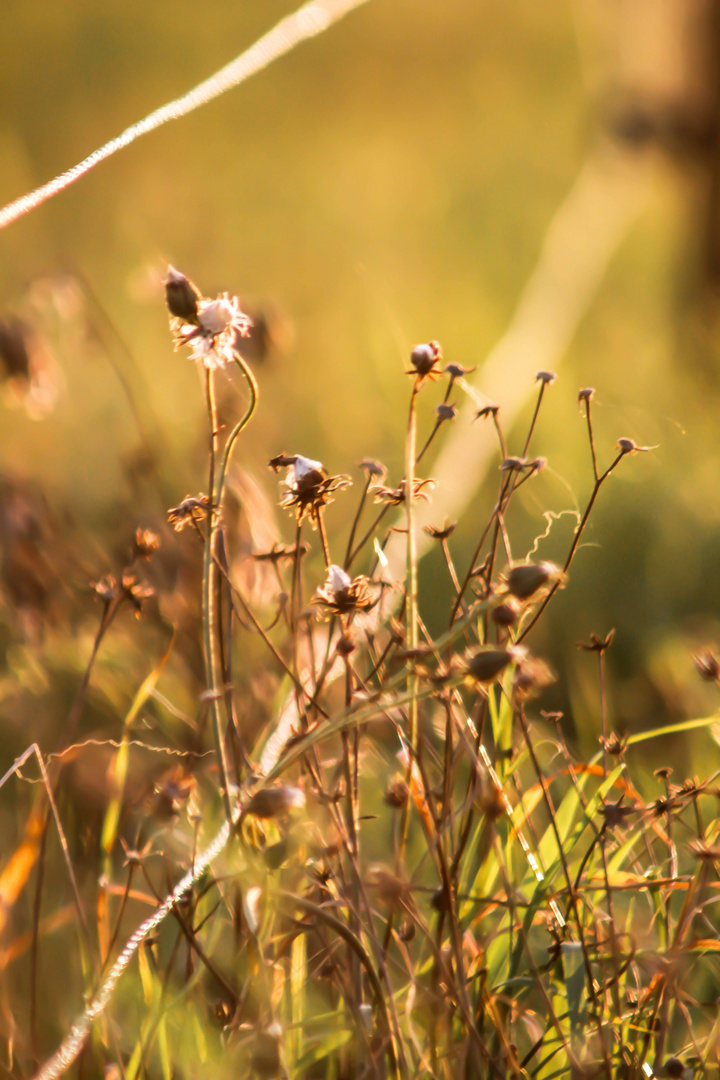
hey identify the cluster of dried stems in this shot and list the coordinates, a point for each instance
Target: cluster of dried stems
(415, 876)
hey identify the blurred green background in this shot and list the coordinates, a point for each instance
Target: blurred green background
(389, 182)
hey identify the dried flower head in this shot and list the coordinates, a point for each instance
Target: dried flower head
(708, 666)
(425, 361)
(137, 592)
(343, 595)
(447, 530)
(281, 553)
(308, 486)
(446, 411)
(107, 588)
(546, 377)
(629, 446)
(145, 543)
(213, 327)
(506, 614)
(487, 410)
(397, 793)
(616, 814)
(586, 394)
(597, 644)
(271, 802)
(191, 511)
(396, 496)
(375, 470)
(531, 677)
(485, 664)
(526, 579)
(457, 371)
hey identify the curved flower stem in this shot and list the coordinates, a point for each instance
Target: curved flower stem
(411, 613)
(216, 494)
(209, 603)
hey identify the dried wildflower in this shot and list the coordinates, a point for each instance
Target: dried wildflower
(145, 543)
(487, 410)
(212, 336)
(614, 744)
(396, 496)
(396, 793)
(531, 676)
(106, 588)
(191, 511)
(457, 371)
(597, 644)
(135, 591)
(537, 464)
(526, 579)
(173, 790)
(425, 360)
(343, 595)
(271, 802)
(483, 665)
(629, 446)
(345, 644)
(406, 930)
(664, 773)
(281, 552)
(445, 411)
(308, 485)
(708, 666)
(514, 464)
(615, 814)
(441, 534)
(674, 1068)
(375, 470)
(182, 297)
(586, 394)
(506, 614)
(546, 377)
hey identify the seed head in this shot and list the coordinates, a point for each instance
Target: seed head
(308, 485)
(343, 595)
(526, 579)
(484, 665)
(708, 666)
(145, 543)
(457, 371)
(271, 802)
(446, 411)
(425, 360)
(546, 377)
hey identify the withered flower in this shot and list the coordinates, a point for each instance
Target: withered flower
(629, 446)
(525, 579)
(425, 361)
(487, 410)
(209, 327)
(445, 411)
(145, 543)
(531, 676)
(615, 744)
(597, 644)
(396, 793)
(441, 534)
(615, 814)
(396, 496)
(271, 802)
(107, 588)
(485, 664)
(281, 552)
(506, 614)
(375, 470)
(343, 595)
(546, 377)
(708, 666)
(586, 394)
(191, 511)
(457, 371)
(137, 592)
(308, 485)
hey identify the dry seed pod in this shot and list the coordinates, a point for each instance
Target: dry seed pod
(269, 802)
(484, 665)
(524, 580)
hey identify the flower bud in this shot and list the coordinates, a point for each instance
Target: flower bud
(524, 580)
(181, 296)
(484, 665)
